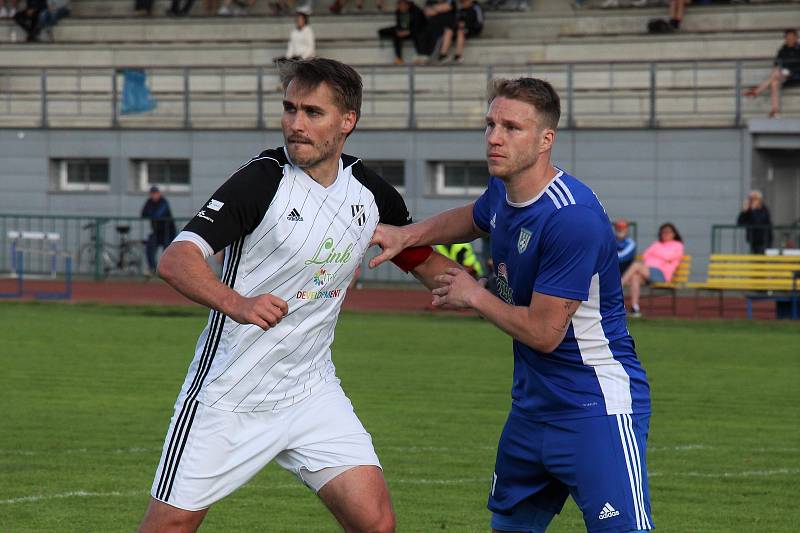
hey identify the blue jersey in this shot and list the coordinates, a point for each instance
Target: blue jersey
(561, 244)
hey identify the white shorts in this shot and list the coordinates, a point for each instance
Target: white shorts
(214, 452)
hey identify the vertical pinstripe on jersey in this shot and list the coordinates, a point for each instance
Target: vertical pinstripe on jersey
(183, 423)
(633, 461)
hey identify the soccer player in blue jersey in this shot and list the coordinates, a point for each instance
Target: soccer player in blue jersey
(581, 402)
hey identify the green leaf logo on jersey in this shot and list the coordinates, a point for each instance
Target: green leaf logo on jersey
(524, 239)
(326, 254)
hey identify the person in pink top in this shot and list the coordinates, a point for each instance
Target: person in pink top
(658, 264)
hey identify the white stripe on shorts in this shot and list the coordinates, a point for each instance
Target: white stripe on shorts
(638, 469)
(625, 449)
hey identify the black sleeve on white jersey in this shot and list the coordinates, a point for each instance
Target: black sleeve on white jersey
(391, 206)
(239, 205)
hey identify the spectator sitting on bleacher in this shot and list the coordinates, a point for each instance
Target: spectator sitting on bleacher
(469, 23)
(338, 5)
(517, 5)
(28, 18)
(210, 7)
(676, 10)
(786, 72)
(180, 8)
(301, 40)
(659, 262)
(626, 246)
(755, 213)
(6, 11)
(409, 23)
(144, 6)
(56, 10)
(238, 7)
(440, 14)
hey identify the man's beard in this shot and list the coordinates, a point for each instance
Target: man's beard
(321, 152)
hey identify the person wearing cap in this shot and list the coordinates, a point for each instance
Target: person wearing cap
(156, 208)
(626, 246)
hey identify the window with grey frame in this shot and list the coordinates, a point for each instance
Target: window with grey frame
(460, 178)
(170, 175)
(81, 174)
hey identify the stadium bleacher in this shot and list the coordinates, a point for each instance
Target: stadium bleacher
(225, 53)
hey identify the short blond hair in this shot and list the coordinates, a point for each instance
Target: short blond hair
(538, 93)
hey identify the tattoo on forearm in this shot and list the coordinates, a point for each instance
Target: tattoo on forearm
(569, 309)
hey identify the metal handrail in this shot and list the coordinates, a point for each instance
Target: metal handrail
(460, 100)
(731, 237)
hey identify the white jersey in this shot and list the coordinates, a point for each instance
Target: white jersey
(286, 235)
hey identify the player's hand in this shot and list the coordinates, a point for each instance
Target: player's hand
(265, 311)
(392, 241)
(457, 289)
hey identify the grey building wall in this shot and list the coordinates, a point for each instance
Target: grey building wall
(693, 178)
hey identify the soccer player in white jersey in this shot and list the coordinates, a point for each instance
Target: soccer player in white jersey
(294, 223)
(580, 400)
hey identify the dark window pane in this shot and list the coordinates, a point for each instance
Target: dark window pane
(167, 172)
(87, 171)
(394, 175)
(477, 176)
(75, 173)
(98, 172)
(179, 172)
(454, 176)
(157, 172)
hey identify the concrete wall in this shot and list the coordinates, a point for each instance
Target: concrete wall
(694, 178)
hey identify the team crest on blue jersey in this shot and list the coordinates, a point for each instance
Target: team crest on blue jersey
(524, 240)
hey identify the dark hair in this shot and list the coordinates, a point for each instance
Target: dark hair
(672, 227)
(790, 30)
(343, 80)
(538, 93)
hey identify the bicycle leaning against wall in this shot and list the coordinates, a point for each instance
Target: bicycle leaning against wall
(126, 257)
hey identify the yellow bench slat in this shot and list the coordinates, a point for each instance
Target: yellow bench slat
(751, 267)
(745, 274)
(742, 258)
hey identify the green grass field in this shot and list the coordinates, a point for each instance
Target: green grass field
(87, 392)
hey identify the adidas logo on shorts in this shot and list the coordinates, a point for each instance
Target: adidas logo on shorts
(608, 512)
(294, 216)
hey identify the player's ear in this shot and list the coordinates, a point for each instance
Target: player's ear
(349, 122)
(546, 139)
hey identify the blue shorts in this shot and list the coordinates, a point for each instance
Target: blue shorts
(656, 276)
(600, 461)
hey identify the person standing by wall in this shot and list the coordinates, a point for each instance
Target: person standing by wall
(755, 216)
(156, 208)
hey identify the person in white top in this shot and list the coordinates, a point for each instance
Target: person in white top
(294, 223)
(301, 40)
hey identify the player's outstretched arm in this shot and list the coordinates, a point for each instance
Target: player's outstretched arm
(183, 266)
(542, 325)
(435, 265)
(453, 226)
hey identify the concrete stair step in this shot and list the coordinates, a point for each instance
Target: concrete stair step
(480, 52)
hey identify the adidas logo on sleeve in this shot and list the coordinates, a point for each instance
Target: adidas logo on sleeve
(608, 512)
